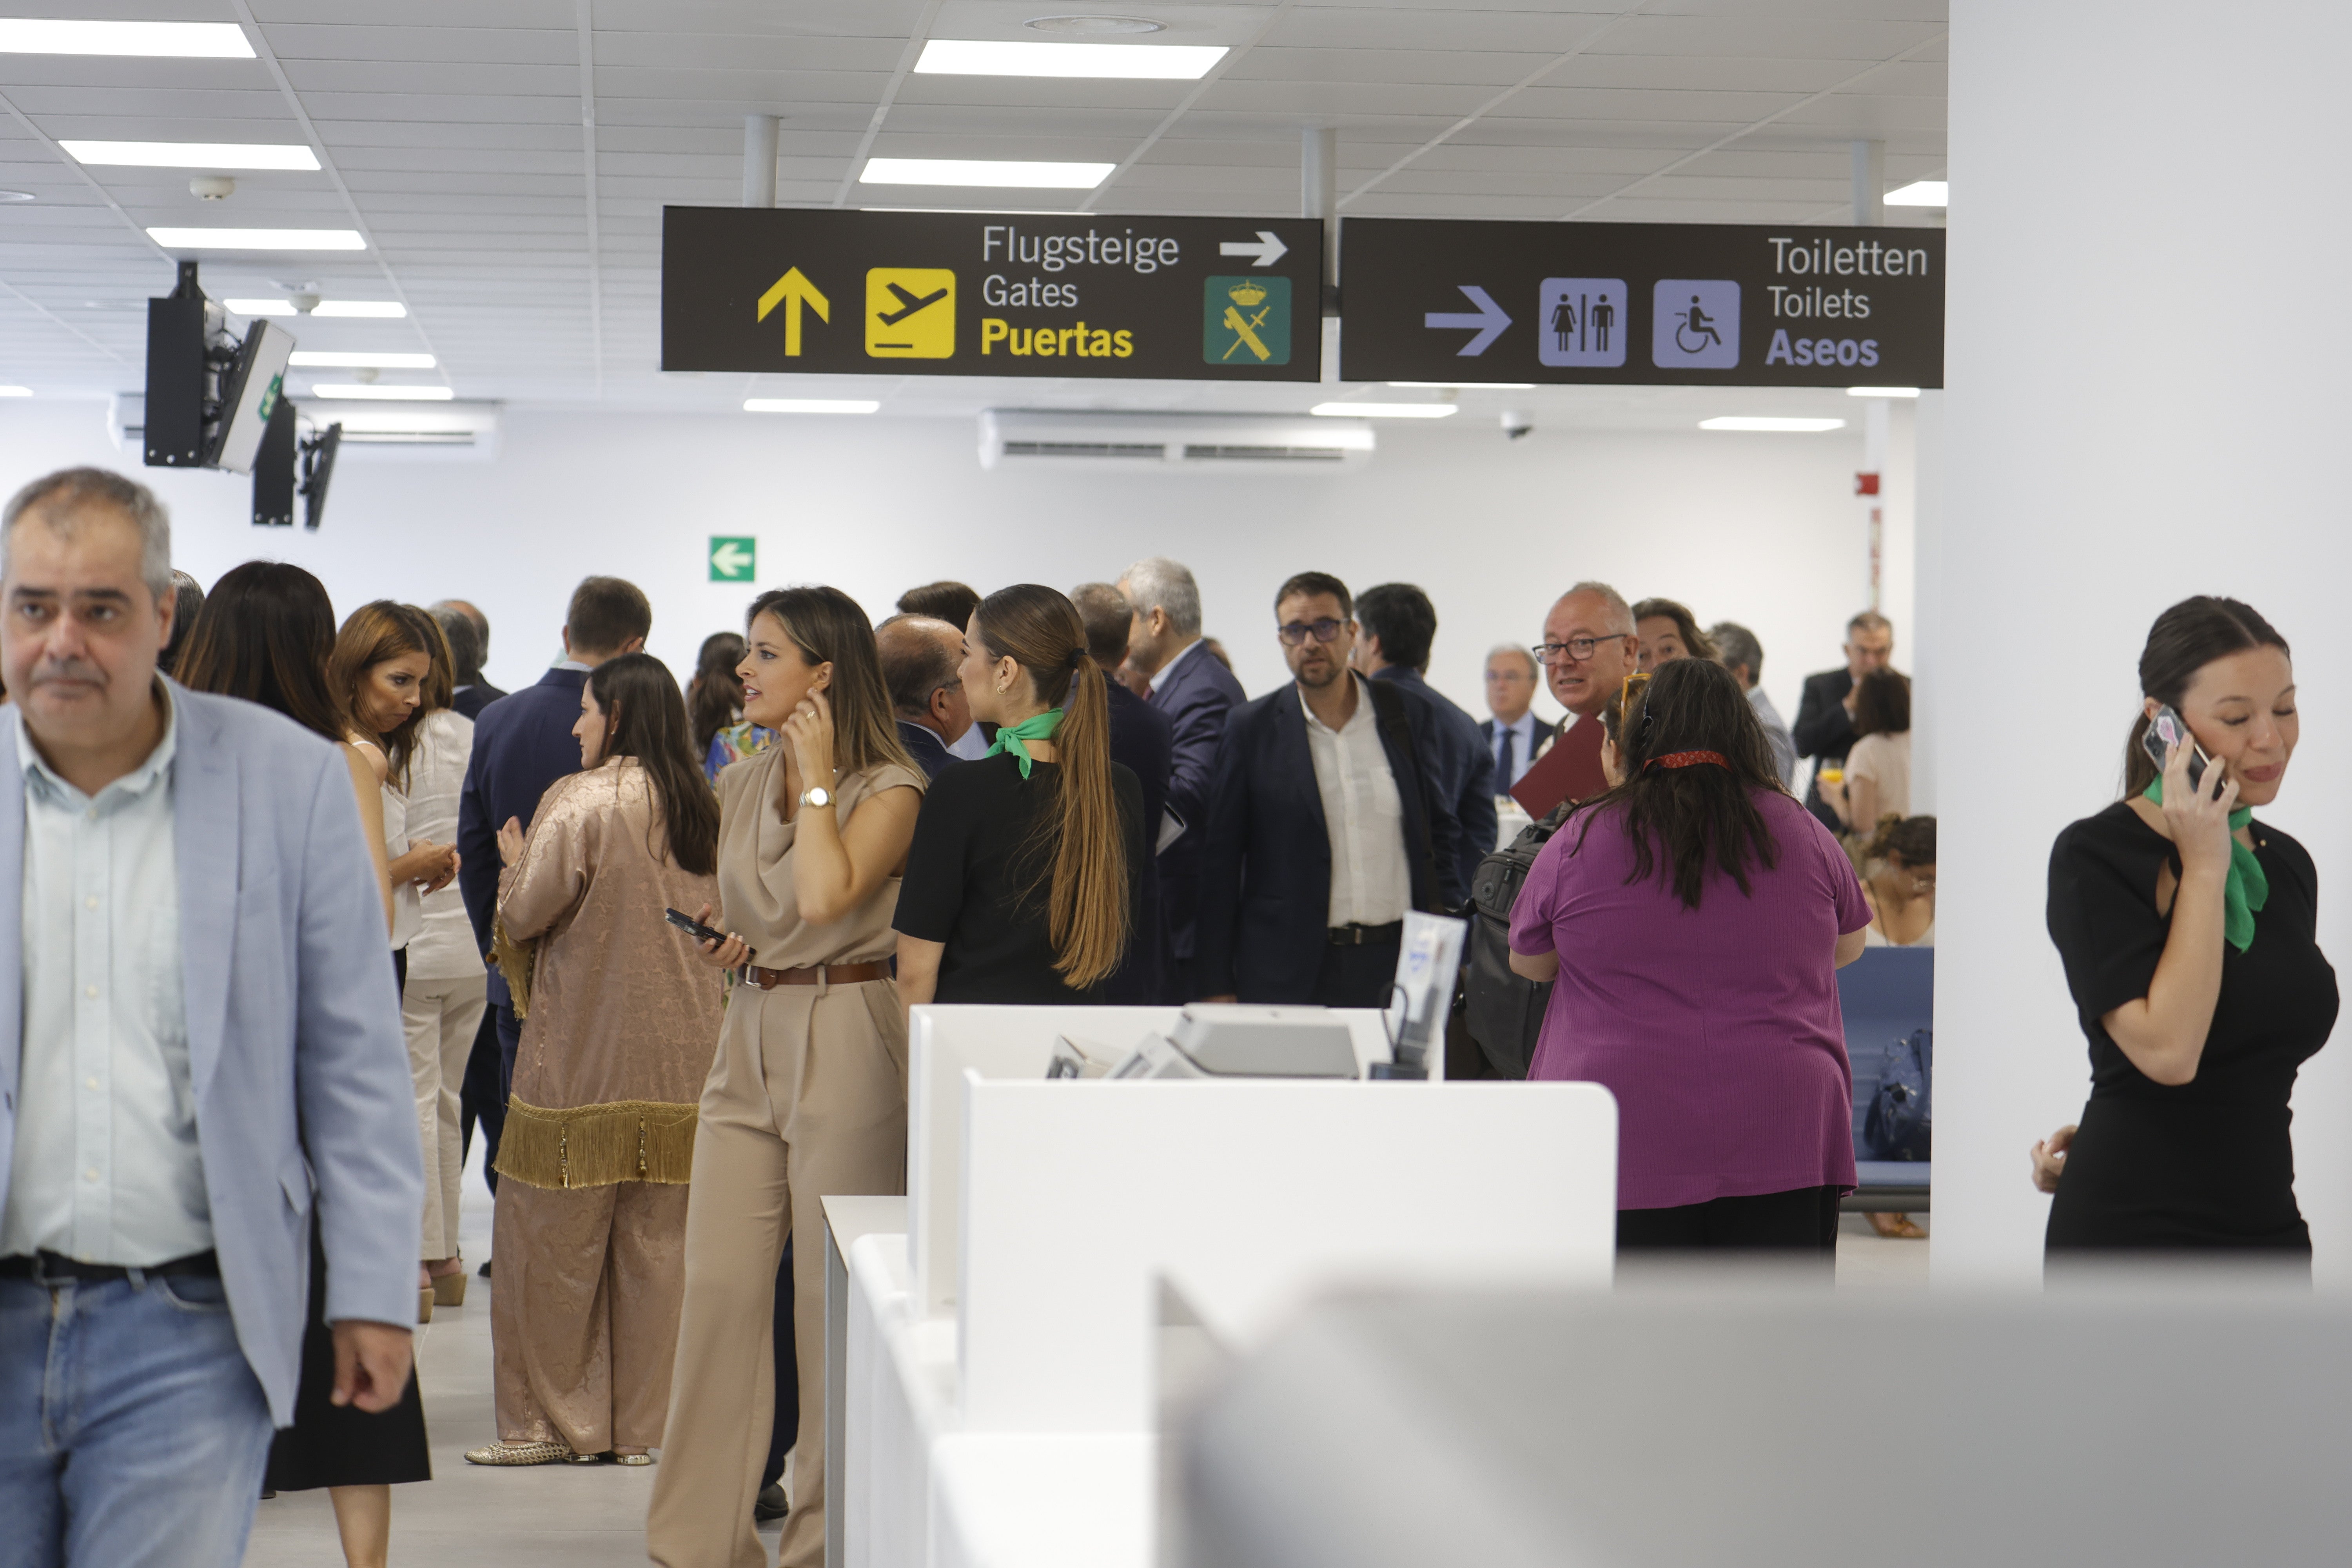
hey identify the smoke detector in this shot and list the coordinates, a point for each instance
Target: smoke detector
(303, 303)
(213, 187)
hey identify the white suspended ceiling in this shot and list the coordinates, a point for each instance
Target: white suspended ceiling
(507, 160)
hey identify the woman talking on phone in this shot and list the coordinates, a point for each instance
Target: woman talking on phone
(2186, 928)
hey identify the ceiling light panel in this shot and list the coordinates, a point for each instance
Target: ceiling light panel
(193, 154)
(257, 239)
(386, 309)
(1921, 193)
(382, 393)
(1155, 62)
(977, 172)
(1384, 410)
(810, 405)
(332, 359)
(260, 307)
(184, 40)
(1756, 422)
(15, 392)
(1882, 392)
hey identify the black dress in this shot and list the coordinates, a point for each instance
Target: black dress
(330, 1446)
(2209, 1163)
(979, 876)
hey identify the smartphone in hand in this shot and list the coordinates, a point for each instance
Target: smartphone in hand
(2167, 730)
(692, 927)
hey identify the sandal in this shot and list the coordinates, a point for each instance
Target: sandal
(519, 1453)
(1897, 1228)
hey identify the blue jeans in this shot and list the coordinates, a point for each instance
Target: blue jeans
(132, 1432)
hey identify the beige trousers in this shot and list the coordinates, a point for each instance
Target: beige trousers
(807, 1101)
(583, 1313)
(441, 1017)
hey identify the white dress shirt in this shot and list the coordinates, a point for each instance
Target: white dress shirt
(1372, 882)
(443, 948)
(106, 1168)
(1524, 734)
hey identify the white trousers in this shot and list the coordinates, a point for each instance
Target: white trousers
(441, 1017)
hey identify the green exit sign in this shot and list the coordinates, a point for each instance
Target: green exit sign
(733, 560)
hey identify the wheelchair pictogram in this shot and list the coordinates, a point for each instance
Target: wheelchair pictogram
(1695, 324)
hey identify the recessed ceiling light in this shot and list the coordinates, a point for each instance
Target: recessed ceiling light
(257, 239)
(17, 197)
(1472, 385)
(392, 309)
(15, 392)
(1162, 62)
(260, 307)
(1384, 410)
(193, 155)
(1753, 422)
(387, 394)
(1882, 392)
(1921, 193)
(330, 359)
(980, 172)
(810, 405)
(188, 40)
(1097, 27)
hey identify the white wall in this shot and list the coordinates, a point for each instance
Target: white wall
(2145, 372)
(1759, 528)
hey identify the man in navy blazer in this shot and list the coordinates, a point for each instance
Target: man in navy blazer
(200, 1045)
(1399, 625)
(1197, 693)
(1326, 824)
(919, 655)
(522, 744)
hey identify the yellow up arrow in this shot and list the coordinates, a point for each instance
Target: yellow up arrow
(792, 292)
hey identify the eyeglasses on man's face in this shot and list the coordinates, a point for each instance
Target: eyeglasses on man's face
(1297, 632)
(1575, 649)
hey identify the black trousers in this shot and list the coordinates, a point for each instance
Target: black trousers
(1357, 977)
(1802, 1221)
(788, 1376)
(479, 1098)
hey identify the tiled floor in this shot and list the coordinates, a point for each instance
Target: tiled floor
(565, 1516)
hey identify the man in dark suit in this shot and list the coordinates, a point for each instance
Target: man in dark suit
(1327, 823)
(1196, 693)
(1399, 624)
(522, 744)
(1143, 742)
(1514, 737)
(919, 659)
(468, 631)
(1824, 726)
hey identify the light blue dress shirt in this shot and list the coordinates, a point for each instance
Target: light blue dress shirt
(105, 1167)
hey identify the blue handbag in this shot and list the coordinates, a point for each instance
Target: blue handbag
(1901, 1117)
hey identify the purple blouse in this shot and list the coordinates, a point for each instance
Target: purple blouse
(1716, 1028)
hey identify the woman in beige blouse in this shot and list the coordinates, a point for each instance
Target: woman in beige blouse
(1878, 781)
(618, 1016)
(808, 1096)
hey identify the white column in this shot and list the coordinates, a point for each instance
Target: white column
(1319, 197)
(759, 160)
(2143, 394)
(1869, 183)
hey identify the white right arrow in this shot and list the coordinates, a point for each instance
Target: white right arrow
(1267, 247)
(730, 558)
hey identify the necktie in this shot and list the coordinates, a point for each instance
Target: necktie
(1504, 736)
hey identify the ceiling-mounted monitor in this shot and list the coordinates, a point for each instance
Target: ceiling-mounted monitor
(249, 395)
(317, 467)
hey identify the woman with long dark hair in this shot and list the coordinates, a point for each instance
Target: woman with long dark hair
(1876, 779)
(618, 1016)
(2188, 932)
(1023, 884)
(1694, 916)
(714, 702)
(808, 1095)
(266, 634)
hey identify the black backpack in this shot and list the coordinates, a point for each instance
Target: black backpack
(1503, 1011)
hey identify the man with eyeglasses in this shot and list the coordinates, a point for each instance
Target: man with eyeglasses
(1327, 823)
(1588, 648)
(1824, 726)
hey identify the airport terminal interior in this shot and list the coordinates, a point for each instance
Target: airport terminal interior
(1416, 585)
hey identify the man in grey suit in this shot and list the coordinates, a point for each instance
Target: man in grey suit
(199, 1042)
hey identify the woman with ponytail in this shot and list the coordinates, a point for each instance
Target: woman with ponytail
(2187, 931)
(1025, 881)
(808, 1093)
(1694, 916)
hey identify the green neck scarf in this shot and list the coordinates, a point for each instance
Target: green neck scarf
(1015, 738)
(2248, 888)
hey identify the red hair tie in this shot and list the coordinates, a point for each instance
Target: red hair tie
(1689, 760)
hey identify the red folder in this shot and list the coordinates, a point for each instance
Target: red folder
(1570, 771)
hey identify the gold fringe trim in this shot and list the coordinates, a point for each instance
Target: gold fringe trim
(514, 961)
(598, 1145)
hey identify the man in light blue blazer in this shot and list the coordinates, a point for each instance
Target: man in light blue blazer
(199, 1043)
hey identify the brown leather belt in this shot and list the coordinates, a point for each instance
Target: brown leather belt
(814, 975)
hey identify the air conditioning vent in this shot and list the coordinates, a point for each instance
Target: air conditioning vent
(1229, 453)
(1102, 438)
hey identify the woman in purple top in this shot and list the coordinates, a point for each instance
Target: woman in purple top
(1705, 914)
